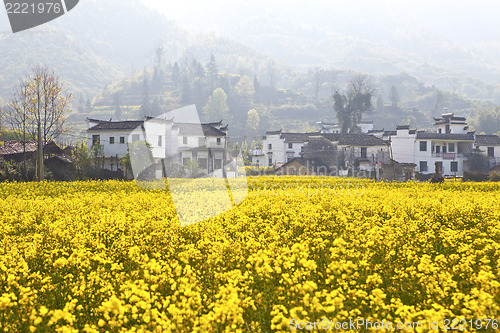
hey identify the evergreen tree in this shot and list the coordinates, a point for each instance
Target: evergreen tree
(394, 97)
(176, 74)
(212, 73)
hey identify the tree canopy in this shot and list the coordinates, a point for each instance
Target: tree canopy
(351, 106)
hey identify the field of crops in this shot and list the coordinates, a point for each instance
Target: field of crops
(111, 256)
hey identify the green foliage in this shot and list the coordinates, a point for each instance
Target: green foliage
(83, 160)
(351, 106)
(216, 108)
(253, 124)
(487, 118)
(12, 171)
(8, 135)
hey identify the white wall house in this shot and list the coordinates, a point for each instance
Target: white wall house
(279, 148)
(490, 146)
(448, 145)
(363, 152)
(179, 143)
(332, 128)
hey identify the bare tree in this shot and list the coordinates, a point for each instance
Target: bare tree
(39, 98)
(39, 102)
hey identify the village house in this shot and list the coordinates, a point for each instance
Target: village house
(339, 155)
(57, 161)
(173, 145)
(447, 146)
(279, 147)
(490, 146)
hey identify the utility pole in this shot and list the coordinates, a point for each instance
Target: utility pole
(40, 153)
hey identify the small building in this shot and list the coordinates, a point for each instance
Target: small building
(448, 145)
(17, 151)
(303, 167)
(179, 149)
(489, 145)
(280, 147)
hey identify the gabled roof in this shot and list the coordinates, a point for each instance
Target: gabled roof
(297, 137)
(445, 136)
(116, 125)
(332, 136)
(360, 140)
(487, 140)
(16, 147)
(313, 164)
(318, 144)
(273, 132)
(387, 133)
(197, 129)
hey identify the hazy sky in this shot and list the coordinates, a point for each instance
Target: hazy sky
(456, 20)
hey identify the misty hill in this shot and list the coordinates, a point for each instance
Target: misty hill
(453, 46)
(95, 44)
(100, 42)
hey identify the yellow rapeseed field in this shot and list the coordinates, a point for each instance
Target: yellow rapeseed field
(112, 257)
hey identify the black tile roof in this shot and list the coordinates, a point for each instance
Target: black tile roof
(445, 136)
(318, 144)
(116, 125)
(185, 128)
(194, 129)
(297, 137)
(315, 164)
(361, 140)
(16, 147)
(487, 140)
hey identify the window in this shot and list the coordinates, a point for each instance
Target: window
(202, 162)
(96, 140)
(201, 141)
(112, 140)
(218, 164)
(219, 141)
(491, 151)
(439, 166)
(185, 140)
(122, 139)
(439, 131)
(185, 161)
(438, 149)
(290, 145)
(448, 129)
(423, 166)
(160, 140)
(270, 160)
(270, 146)
(451, 147)
(135, 137)
(423, 145)
(444, 150)
(363, 152)
(454, 167)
